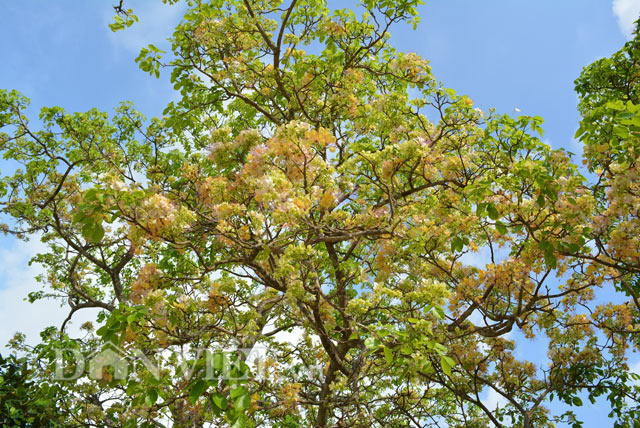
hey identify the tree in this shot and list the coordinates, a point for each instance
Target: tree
(326, 208)
(23, 403)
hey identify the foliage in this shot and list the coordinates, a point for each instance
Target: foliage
(610, 105)
(367, 229)
(23, 401)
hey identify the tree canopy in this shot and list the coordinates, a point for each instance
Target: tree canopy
(317, 199)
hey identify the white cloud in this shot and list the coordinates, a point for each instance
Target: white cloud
(293, 337)
(482, 257)
(17, 280)
(494, 400)
(627, 12)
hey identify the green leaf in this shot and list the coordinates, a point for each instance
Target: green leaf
(440, 348)
(549, 253)
(243, 402)
(573, 248)
(500, 227)
(196, 391)
(238, 391)
(151, 397)
(219, 401)
(551, 260)
(457, 244)
(218, 361)
(388, 355)
(481, 209)
(439, 312)
(372, 342)
(241, 422)
(79, 217)
(93, 231)
(492, 211)
(447, 364)
(118, 24)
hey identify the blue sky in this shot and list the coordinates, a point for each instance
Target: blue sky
(502, 53)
